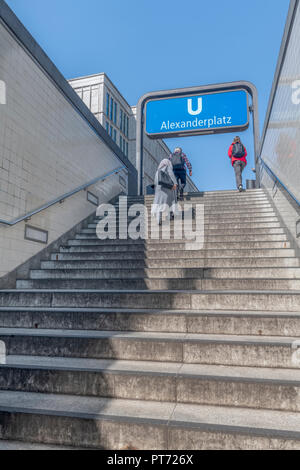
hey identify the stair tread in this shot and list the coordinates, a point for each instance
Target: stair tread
(150, 367)
(292, 270)
(237, 353)
(152, 336)
(267, 422)
(147, 311)
(22, 445)
(146, 291)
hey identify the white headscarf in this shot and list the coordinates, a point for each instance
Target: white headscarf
(164, 164)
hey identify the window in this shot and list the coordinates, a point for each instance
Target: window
(107, 126)
(127, 126)
(122, 144)
(115, 113)
(121, 118)
(115, 135)
(107, 104)
(110, 131)
(126, 153)
(111, 108)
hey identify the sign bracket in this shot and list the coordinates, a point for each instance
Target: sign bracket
(180, 92)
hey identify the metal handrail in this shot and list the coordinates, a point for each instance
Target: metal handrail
(279, 181)
(62, 198)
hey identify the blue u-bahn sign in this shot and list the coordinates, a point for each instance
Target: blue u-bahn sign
(205, 113)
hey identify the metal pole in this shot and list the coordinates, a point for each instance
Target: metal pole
(139, 145)
(256, 134)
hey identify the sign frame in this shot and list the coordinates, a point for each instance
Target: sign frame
(197, 131)
(179, 92)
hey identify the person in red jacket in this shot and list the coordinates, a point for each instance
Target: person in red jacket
(238, 153)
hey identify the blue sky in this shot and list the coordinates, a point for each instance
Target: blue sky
(146, 45)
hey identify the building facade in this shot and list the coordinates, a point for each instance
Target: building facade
(119, 120)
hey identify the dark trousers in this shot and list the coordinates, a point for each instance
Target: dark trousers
(180, 175)
(238, 168)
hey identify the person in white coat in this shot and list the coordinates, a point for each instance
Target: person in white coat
(165, 199)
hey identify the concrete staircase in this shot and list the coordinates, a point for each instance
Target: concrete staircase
(144, 344)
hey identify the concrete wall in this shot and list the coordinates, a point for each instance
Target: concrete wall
(49, 145)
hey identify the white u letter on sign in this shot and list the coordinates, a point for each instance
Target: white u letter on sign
(190, 107)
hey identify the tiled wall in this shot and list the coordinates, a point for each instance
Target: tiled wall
(287, 209)
(281, 148)
(281, 145)
(46, 149)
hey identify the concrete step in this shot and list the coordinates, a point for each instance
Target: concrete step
(168, 273)
(153, 320)
(207, 236)
(166, 241)
(161, 284)
(212, 204)
(212, 209)
(209, 212)
(219, 254)
(207, 194)
(208, 230)
(118, 273)
(22, 445)
(171, 263)
(135, 245)
(209, 220)
(117, 424)
(243, 387)
(268, 300)
(235, 196)
(223, 225)
(245, 351)
(155, 231)
(221, 192)
(252, 273)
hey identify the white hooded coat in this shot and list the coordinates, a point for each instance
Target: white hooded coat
(165, 199)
